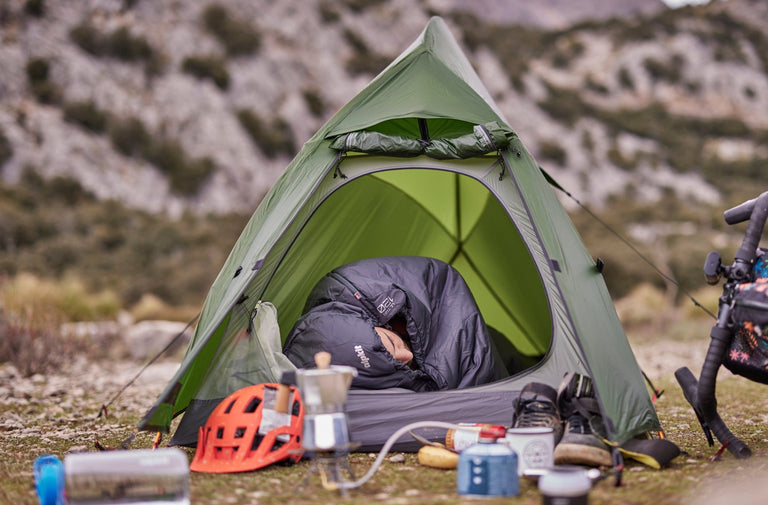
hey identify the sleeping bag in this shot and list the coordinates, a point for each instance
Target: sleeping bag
(424, 299)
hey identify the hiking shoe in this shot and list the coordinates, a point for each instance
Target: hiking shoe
(537, 407)
(582, 442)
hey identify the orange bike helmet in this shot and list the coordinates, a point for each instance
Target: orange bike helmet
(231, 440)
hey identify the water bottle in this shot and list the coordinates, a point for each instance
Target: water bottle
(160, 477)
(488, 468)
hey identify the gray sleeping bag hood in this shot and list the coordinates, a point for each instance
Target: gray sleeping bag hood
(447, 335)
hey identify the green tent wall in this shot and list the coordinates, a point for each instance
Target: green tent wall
(492, 216)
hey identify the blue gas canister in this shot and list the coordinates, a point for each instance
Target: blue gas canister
(488, 468)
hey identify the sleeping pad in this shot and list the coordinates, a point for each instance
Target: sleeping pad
(438, 317)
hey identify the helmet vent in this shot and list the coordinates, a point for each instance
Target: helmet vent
(252, 405)
(240, 432)
(256, 441)
(229, 407)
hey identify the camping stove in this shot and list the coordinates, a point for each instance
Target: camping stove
(326, 426)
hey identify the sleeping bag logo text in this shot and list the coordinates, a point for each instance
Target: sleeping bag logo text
(386, 305)
(363, 358)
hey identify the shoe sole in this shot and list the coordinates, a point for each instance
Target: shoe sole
(579, 454)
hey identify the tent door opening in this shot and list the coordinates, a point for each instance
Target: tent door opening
(420, 210)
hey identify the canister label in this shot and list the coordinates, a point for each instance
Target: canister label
(484, 474)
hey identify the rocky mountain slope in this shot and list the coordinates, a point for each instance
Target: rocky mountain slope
(173, 105)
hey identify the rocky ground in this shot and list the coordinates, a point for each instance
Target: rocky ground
(52, 407)
(58, 413)
(60, 408)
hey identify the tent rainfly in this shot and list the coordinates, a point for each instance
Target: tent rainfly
(420, 163)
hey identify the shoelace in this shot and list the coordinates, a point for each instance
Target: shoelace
(535, 413)
(578, 424)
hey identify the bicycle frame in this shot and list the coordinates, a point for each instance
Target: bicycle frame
(701, 393)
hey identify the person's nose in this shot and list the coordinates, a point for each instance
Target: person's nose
(403, 355)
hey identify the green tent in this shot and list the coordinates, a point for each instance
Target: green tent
(421, 163)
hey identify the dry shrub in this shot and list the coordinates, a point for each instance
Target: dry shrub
(643, 305)
(32, 311)
(708, 297)
(42, 302)
(153, 308)
(36, 348)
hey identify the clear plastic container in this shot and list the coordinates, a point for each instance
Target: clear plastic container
(143, 476)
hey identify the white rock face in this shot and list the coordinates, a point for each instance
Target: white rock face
(305, 47)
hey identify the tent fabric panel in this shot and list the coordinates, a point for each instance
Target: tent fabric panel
(268, 223)
(431, 81)
(183, 385)
(396, 408)
(271, 218)
(495, 247)
(602, 341)
(404, 96)
(474, 200)
(362, 219)
(438, 200)
(440, 65)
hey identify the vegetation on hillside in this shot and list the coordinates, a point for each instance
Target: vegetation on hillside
(682, 141)
(54, 229)
(51, 228)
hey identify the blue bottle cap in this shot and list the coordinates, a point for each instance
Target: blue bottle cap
(49, 480)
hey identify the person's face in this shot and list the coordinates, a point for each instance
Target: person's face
(395, 345)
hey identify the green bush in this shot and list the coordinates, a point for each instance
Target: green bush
(194, 174)
(595, 86)
(514, 47)
(239, 37)
(6, 148)
(37, 70)
(567, 52)
(120, 44)
(46, 92)
(273, 138)
(551, 150)
(565, 105)
(43, 89)
(107, 246)
(314, 102)
(129, 136)
(359, 6)
(329, 11)
(664, 71)
(66, 190)
(87, 115)
(618, 159)
(207, 67)
(625, 79)
(88, 38)
(185, 175)
(35, 8)
(363, 59)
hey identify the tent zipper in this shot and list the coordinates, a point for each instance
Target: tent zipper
(343, 280)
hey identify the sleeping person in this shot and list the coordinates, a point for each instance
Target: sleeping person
(402, 322)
